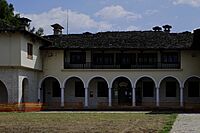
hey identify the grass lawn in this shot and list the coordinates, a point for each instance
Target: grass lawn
(86, 122)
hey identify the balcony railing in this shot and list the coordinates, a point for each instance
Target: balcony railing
(139, 65)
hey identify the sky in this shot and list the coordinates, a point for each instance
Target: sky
(110, 15)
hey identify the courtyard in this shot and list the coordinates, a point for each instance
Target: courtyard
(87, 122)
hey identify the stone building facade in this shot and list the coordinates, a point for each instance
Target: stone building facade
(109, 70)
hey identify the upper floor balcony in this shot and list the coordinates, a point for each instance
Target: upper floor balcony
(139, 65)
(122, 60)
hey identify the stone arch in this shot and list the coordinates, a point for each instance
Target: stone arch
(74, 92)
(121, 91)
(50, 76)
(145, 91)
(169, 76)
(193, 76)
(70, 77)
(191, 91)
(4, 93)
(97, 76)
(25, 90)
(50, 91)
(150, 77)
(122, 76)
(170, 90)
(98, 92)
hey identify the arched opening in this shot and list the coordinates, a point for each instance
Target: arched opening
(3, 94)
(121, 92)
(98, 93)
(25, 87)
(74, 93)
(192, 92)
(51, 92)
(169, 92)
(145, 92)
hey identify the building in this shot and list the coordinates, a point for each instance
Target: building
(106, 70)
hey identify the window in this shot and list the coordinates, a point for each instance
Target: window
(125, 59)
(79, 89)
(148, 89)
(193, 89)
(77, 57)
(98, 59)
(171, 57)
(30, 51)
(108, 59)
(56, 89)
(170, 89)
(103, 59)
(102, 89)
(147, 58)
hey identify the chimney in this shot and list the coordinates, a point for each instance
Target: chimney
(25, 23)
(57, 29)
(167, 28)
(157, 28)
(196, 39)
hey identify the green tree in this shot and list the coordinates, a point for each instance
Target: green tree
(40, 32)
(7, 14)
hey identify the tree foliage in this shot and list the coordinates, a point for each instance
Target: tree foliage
(40, 32)
(9, 19)
(7, 14)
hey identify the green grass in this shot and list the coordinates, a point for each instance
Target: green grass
(86, 122)
(169, 124)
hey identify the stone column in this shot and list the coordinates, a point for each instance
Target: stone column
(133, 97)
(86, 96)
(157, 97)
(109, 96)
(181, 96)
(62, 97)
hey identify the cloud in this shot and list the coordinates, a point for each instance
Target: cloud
(78, 22)
(151, 12)
(132, 28)
(116, 12)
(194, 3)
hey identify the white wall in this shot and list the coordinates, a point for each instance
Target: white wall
(13, 50)
(53, 65)
(36, 62)
(10, 49)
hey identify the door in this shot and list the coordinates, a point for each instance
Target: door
(124, 96)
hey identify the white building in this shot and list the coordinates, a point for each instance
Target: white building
(110, 70)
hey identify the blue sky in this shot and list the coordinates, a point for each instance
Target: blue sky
(111, 15)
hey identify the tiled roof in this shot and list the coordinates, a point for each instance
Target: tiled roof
(129, 39)
(4, 27)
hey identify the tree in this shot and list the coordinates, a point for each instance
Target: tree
(7, 14)
(11, 20)
(32, 30)
(40, 32)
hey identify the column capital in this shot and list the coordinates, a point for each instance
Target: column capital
(182, 87)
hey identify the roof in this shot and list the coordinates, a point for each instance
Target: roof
(57, 26)
(129, 39)
(25, 19)
(4, 27)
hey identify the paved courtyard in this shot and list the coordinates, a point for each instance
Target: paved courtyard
(187, 123)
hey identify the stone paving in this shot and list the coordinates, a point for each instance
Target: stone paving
(187, 123)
